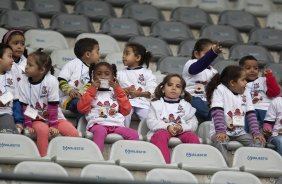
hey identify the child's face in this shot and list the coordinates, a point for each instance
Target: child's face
(103, 72)
(251, 69)
(200, 54)
(7, 60)
(17, 43)
(173, 88)
(129, 58)
(239, 86)
(93, 56)
(32, 69)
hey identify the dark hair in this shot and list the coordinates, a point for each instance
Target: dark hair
(200, 45)
(83, 45)
(43, 60)
(93, 67)
(7, 36)
(245, 58)
(231, 72)
(3, 48)
(159, 89)
(139, 49)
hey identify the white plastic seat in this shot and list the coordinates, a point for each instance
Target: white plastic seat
(106, 172)
(138, 155)
(47, 39)
(198, 158)
(214, 6)
(169, 5)
(15, 148)
(115, 58)
(3, 31)
(107, 43)
(222, 177)
(219, 65)
(262, 162)
(273, 20)
(257, 7)
(74, 151)
(171, 176)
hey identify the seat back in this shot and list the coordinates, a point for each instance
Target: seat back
(9, 5)
(186, 48)
(214, 6)
(234, 177)
(115, 58)
(273, 20)
(171, 64)
(221, 64)
(169, 5)
(258, 7)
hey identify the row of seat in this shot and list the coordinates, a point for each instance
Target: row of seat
(98, 172)
(141, 156)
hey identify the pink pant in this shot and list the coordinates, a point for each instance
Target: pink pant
(100, 132)
(42, 133)
(161, 139)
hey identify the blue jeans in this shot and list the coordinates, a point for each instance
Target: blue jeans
(202, 109)
(277, 141)
(72, 106)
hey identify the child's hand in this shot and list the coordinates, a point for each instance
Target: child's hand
(74, 93)
(96, 83)
(217, 48)
(267, 132)
(178, 128)
(31, 130)
(171, 129)
(266, 71)
(221, 137)
(19, 127)
(53, 131)
(114, 83)
(133, 92)
(260, 138)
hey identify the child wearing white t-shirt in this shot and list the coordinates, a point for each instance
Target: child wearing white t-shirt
(229, 104)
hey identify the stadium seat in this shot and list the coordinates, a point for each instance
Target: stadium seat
(169, 5)
(191, 16)
(71, 25)
(138, 155)
(258, 7)
(262, 162)
(270, 38)
(237, 177)
(121, 28)
(9, 5)
(243, 21)
(145, 14)
(74, 152)
(171, 32)
(219, 65)
(107, 44)
(40, 168)
(47, 39)
(45, 8)
(3, 31)
(16, 19)
(106, 172)
(143, 130)
(259, 52)
(277, 1)
(186, 48)
(159, 76)
(198, 158)
(273, 20)
(225, 35)
(158, 47)
(170, 176)
(94, 10)
(60, 57)
(15, 148)
(214, 6)
(171, 64)
(115, 58)
(121, 3)
(81, 127)
(204, 132)
(279, 181)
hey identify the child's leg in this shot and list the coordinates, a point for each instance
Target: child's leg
(246, 139)
(72, 105)
(67, 129)
(277, 141)
(189, 137)
(99, 134)
(202, 110)
(141, 113)
(42, 133)
(260, 116)
(127, 120)
(160, 139)
(7, 124)
(127, 133)
(222, 147)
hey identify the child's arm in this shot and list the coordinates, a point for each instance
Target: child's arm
(84, 103)
(154, 123)
(64, 86)
(273, 89)
(217, 114)
(52, 110)
(191, 125)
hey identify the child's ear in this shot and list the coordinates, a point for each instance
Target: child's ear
(196, 54)
(138, 58)
(231, 83)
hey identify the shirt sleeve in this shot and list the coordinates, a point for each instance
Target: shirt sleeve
(154, 122)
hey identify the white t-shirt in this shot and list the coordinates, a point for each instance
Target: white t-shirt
(274, 113)
(258, 89)
(233, 105)
(18, 69)
(38, 95)
(8, 84)
(196, 84)
(143, 80)
(76, 73)
(162, 114)
(104, 110)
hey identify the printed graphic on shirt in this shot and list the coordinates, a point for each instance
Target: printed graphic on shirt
(107, 108)
(175, 118)
(255, 93)
(141, 79)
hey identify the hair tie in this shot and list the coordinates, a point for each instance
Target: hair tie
(9, 33)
